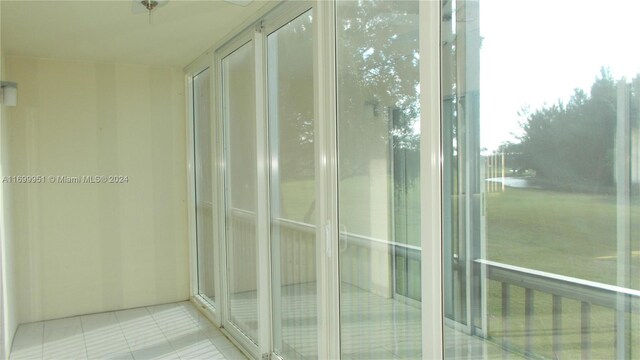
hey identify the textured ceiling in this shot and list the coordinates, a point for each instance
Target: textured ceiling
(108, 30)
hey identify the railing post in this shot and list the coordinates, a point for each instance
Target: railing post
(528, 321)
(585, 330)
(506, 312)
(588, 293)
(557, 327)
(502, 172)
(623, 219)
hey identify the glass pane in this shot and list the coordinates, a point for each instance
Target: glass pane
(379, 178)
(541, 187)
(204, 200)
(240, 120)
(293, 217)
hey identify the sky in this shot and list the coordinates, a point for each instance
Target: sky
(536, 52)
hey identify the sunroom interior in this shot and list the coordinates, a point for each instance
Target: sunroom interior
(231, 179)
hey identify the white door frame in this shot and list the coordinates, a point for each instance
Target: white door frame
(327, 237)
(209, 306)
(431, 180)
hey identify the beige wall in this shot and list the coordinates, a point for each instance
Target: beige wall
(84, 248)
(9, 299)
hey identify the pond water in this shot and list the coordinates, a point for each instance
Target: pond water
(516, 182)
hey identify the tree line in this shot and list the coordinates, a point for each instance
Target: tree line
(572, 146)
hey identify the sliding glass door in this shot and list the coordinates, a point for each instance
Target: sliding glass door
(292, 191)
(201, 90)
(378, 130)
(291, 279)
(541, 142)
(508, 152)
(270, 230)
(239, 116)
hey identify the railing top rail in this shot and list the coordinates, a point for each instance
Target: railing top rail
(309, 228)
(301, 226)
(380, 241)
(565, 286)
(243, 212)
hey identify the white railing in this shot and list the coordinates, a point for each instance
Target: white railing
(298, 252)
(560, 287)
(298, 241)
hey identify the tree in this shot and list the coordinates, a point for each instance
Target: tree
(378, 77)
(572, 146)
(378, 72)
(378, 99)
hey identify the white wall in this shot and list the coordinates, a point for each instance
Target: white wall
(9, 302)
(84, 248)
(10, 299)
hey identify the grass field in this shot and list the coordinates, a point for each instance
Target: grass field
(571, 234)
(564, 233)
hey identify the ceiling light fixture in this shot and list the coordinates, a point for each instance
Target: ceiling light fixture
(149, 4)
(146, 6)
(240, 2)
(141, 6)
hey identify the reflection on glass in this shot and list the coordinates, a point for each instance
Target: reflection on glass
(240, 122)
(293, 234)
(379, 177)
(541, 132)
(204, 200)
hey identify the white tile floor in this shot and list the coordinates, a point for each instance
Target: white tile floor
(170, 331)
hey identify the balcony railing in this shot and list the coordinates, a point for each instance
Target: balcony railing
(299, 267)
(588, 293)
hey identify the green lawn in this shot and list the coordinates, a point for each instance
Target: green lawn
(563, 233)
(570, 234)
